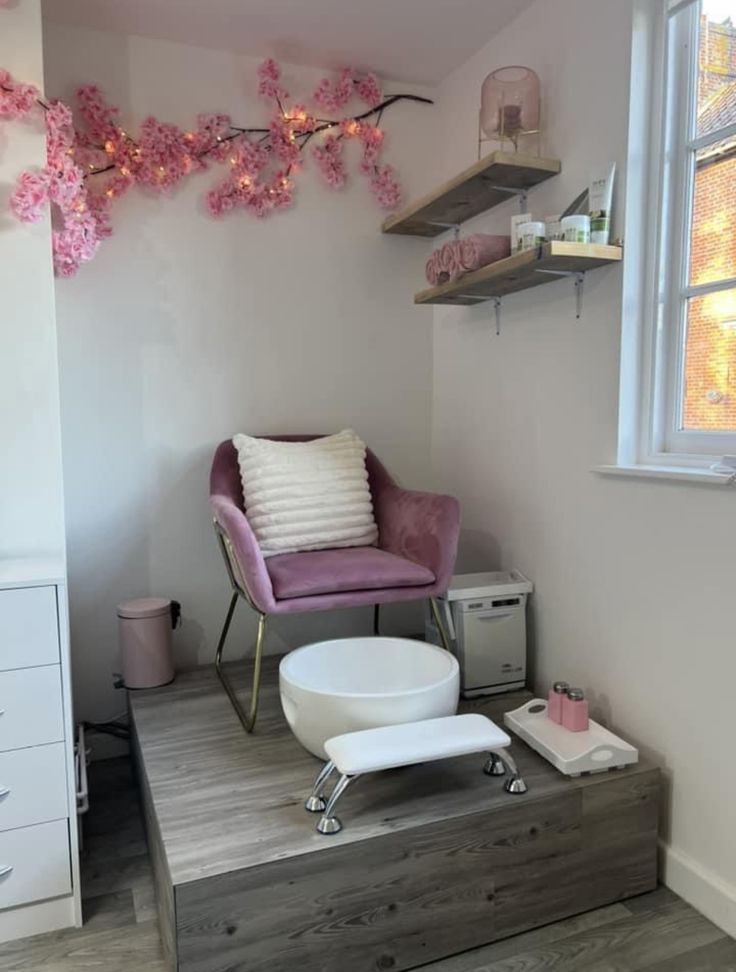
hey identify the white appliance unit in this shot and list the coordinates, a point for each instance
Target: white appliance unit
(486, 619)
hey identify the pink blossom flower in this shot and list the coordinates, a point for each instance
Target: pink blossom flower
(211, 127)
(59, 129)
(100, 118)
(30, 196)
(330, 161)
(16, 100)
(385, 187)
(300, 119)
(283, 142)
(269, 75)
(368, 89)
(74, 244)
(334, 96)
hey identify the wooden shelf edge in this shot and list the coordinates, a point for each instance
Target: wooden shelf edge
(520, 171)
(520, 272)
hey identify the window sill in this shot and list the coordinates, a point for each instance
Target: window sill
(678, 474)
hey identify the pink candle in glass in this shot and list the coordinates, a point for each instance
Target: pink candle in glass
(575, 711)
(554, 701)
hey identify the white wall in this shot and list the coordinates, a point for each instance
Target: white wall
(634, 580)
(187, 329)
(31, 501)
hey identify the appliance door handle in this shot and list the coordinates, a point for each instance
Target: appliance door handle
(4, 791)
(493, 617)
(6, 871)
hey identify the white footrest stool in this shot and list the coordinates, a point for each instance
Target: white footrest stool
(372, 750)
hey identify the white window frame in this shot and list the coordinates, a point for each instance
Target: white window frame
(659, 195)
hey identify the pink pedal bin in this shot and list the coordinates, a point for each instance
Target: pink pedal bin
(145, 625)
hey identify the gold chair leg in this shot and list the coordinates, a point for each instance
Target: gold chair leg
(436, 614)
(248, 720)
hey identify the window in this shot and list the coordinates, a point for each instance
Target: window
(686, 365)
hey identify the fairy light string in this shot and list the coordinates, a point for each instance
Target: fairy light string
(89, 168)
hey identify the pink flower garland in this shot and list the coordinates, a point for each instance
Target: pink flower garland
(261, 162)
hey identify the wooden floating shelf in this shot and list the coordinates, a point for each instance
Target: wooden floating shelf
(475, 190)
(521, 271)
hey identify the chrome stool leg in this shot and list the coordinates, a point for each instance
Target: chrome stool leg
(329, 823)
(316, 802)
(514, 782)
(494, 766)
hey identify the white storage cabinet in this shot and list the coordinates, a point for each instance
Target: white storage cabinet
(39, 871)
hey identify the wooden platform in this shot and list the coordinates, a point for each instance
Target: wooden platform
(433, 859)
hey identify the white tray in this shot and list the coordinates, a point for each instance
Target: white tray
(573, 753)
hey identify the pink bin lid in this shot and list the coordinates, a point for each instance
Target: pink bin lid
(144, 607)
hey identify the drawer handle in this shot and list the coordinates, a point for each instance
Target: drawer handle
(6, 871)
(4, 791)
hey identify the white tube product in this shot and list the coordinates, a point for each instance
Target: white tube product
(601, 200)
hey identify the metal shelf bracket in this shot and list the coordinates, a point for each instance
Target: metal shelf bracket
(497, 306)
(579, 278)
(482, 300)
(521, 194)
(455, 227)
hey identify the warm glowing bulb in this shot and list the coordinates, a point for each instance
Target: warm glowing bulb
(245, 182)
(110, 193)
(233, 160)
(189, 136)
(161, 169)
(109, 147)
(125, 171)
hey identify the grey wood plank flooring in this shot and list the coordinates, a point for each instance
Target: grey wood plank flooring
(656, 932)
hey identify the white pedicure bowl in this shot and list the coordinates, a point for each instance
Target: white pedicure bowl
(333, 687)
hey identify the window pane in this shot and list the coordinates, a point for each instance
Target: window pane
(717, 66)
(709, 394)
(713, 236)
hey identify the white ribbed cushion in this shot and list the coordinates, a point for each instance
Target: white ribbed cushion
(306, 495)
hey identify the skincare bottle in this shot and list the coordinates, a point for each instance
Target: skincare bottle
(575, 710)
(554, 702)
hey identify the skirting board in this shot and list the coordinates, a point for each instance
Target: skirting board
(700, 887)
(43, 916)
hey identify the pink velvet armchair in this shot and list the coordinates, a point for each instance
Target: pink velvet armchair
(414, 559)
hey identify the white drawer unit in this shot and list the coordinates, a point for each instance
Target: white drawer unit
(33, 786)
(39, 843)
(29, 632)
(31, 710)
(34, 863)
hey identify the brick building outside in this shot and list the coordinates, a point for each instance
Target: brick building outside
(710, 361)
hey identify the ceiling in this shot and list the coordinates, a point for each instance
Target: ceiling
(407, 40)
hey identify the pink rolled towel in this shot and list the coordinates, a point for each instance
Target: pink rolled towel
(457, 257)
(433, 268)
(480, 249)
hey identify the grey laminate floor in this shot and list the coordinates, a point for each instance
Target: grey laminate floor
(656, 932)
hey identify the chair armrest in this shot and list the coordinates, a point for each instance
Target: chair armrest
(248, 554)
(423, 527)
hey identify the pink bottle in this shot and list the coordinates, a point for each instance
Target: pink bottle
(554, 701)
(575, 710)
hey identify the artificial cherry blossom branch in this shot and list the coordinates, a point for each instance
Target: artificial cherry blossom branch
(262, 160)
